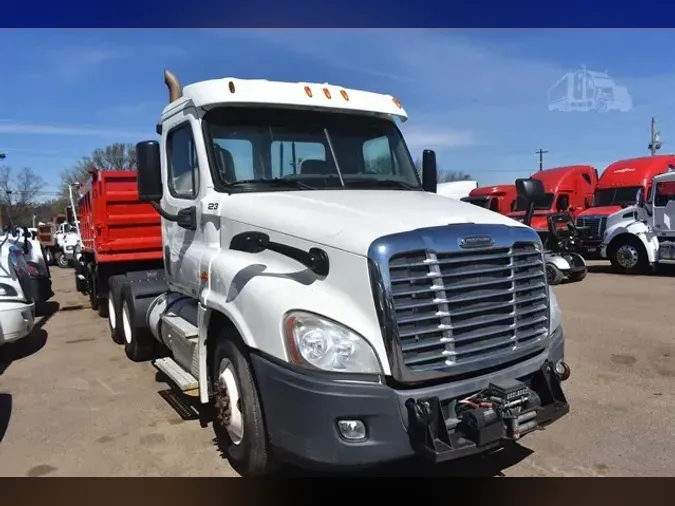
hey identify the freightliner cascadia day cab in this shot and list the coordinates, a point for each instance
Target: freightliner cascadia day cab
(500, 198)
(617, 188)
(335, 310)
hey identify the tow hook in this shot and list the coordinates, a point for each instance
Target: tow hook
(562, 370)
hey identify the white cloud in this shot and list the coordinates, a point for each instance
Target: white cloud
(11, 127)
(418, 137)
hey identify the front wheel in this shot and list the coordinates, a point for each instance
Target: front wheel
(61, 259)
(239, 424)
(629, 257)
(554, 276)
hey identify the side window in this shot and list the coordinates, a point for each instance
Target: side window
(182, 158)
(234, 158)
(377, 156)
(287, 156)
(494, 204)
(586, 177)
(665, 192)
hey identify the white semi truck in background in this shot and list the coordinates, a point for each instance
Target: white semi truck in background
(643, 236)
(335, 315)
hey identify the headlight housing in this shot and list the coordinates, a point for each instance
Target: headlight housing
(319, 343)
(556, 314)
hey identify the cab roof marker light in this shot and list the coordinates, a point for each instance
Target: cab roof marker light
(327, 93)
(344, 95)
(308, 90)
(397, 103)
(231, 86)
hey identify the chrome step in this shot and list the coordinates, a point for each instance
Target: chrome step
(183, 379)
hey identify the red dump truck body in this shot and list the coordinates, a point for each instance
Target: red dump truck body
(114, 225)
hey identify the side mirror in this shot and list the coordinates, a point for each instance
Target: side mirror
(531, 190)
(149, 173)
(640, 198)
(429, 171)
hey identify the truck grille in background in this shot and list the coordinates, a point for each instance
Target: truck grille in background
(596, 226)
(465, 311)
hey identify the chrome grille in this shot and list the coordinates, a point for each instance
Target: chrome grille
(596, 225)
(468, 310)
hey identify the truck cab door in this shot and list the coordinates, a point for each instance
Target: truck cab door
(663, 208)
(182, 249)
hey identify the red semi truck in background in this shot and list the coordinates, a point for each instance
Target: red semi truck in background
(617, 188)
(568, 189)
(121, 238)
(499, 198)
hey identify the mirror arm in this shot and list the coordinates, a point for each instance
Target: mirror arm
(163, 213)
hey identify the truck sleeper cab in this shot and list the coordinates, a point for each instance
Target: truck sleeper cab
(568, 190)
(336, 311)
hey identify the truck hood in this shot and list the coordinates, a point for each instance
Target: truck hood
(599, 211)
(352, 219)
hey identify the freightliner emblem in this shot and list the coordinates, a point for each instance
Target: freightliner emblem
(476, 241)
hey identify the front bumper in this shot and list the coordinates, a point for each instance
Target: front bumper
(16, 320)
(302, 410)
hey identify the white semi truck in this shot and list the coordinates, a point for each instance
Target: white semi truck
(335, 315)
(642, 236)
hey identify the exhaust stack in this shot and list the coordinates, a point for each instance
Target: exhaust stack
(171, 81)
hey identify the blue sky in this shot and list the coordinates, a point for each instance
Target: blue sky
(478, 97)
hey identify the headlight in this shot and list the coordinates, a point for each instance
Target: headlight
(324, 344)
(556, 314)
(7, 291)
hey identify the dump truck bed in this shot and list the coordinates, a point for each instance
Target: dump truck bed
(114, 225)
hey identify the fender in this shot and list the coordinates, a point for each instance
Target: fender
(634, 228)
(242, 287)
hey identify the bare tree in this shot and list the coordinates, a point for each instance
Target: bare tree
(446, 176)
(116, 156)
(20, 193)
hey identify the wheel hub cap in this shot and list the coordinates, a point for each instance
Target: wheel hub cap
(627, 256)
(228, 405)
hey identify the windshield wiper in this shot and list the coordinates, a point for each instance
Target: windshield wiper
(384, 183)
(271, 183)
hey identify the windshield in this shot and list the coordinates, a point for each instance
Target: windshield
(615, 196)
(307, 150)
(521, 204)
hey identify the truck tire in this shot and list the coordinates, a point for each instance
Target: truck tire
(138, 344)
(114, 309)
(239, 425)
(92, 285)
(554, 276)
(628, 256)
(61, 260)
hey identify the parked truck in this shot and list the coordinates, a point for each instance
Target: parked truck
(616, 189)
(120, 236)
(643, 236)
(568, 190)
(335, 316)
(499, 198)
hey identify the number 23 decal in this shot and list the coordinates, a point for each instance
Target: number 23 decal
(212, 206)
